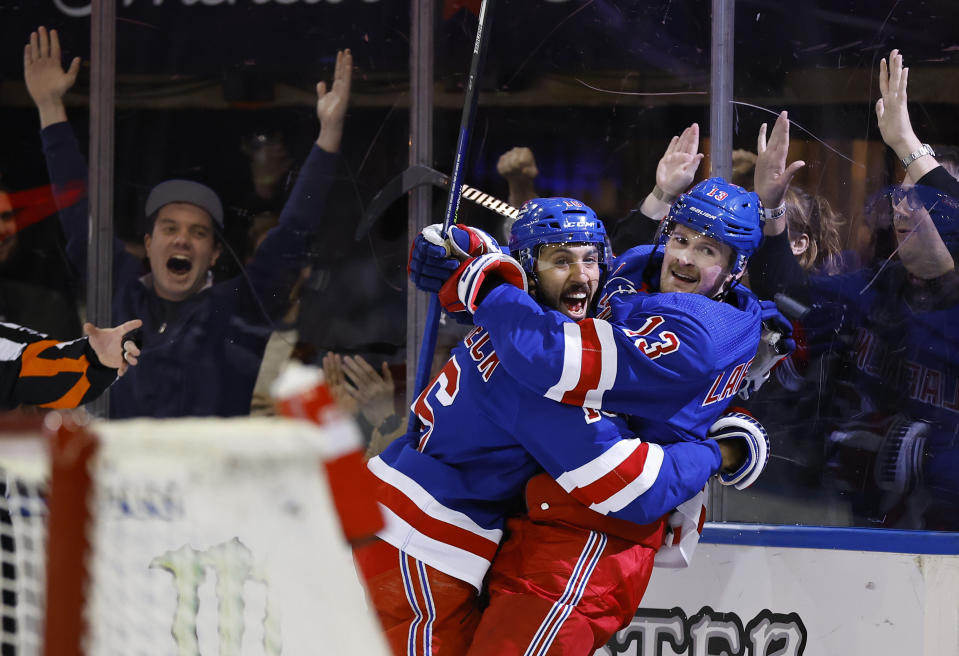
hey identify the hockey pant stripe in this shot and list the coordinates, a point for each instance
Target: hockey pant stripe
(547, 631)
(415, 580)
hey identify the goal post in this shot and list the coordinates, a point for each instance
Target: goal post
(72, 449)
(187, 536)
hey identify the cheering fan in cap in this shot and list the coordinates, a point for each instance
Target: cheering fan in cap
(202, 343)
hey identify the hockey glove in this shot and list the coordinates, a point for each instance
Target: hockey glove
(740, 426)
(429, 265)
(433, 257)
(464, 290)
(464, 241)
(775, 343)
(684, 527)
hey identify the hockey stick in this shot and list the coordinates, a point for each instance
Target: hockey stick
(428, 344)
(415, 176)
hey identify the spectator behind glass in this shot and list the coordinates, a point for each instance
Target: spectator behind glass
(813, 229)
(202, 343)
(34, 285)
(263, 188)
(890, 437)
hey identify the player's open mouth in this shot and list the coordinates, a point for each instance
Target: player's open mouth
(575, 301)
(179, 265)
(684, 277)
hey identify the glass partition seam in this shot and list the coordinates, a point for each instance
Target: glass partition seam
(102, 97)
(421, 153)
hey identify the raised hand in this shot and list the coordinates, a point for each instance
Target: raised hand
(518, 167)
(517, 163)
(678, 165)
(331, 105)
(892, 113)
(772, 176)
(111, 349)
(891, 109)
(47, 81)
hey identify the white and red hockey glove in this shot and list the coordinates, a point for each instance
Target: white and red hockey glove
(683, 530)
(740, 426)
(464, 290)
(433, 257)
(463, 241)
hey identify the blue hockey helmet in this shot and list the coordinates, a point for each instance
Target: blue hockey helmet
(724, 211)
(554, 221)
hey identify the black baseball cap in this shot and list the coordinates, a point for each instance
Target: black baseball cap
(186, 191)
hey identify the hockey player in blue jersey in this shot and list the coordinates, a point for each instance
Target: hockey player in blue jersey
(446, 491)
(672, 361)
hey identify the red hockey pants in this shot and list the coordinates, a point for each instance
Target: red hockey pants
(558, 589)
(424, 612)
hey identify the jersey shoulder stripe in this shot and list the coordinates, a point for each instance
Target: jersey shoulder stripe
(635, 487)
(589, 364)
(616, 478)
(595, 469)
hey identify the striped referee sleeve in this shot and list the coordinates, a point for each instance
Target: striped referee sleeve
(36, 370)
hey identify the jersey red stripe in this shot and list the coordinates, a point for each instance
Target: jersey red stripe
(625, 473)
(437, 529)
(592, 364)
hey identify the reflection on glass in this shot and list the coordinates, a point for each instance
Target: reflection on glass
(578, 99)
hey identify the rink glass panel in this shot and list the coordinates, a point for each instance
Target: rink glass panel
(223, 92)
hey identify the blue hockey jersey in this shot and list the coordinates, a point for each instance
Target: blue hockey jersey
(488, 427)
(672, 361)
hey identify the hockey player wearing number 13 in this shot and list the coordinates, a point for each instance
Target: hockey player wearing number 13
(446, 491)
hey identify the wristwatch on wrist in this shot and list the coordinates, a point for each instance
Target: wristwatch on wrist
(661, 196)
(926, 149)
(770, 213)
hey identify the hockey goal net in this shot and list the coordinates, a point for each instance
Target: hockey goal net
(200, 537)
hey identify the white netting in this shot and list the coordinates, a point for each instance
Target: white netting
(220, 537)
(23, 513)
(209, 537)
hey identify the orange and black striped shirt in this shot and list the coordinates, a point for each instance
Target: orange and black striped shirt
(37, 370)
